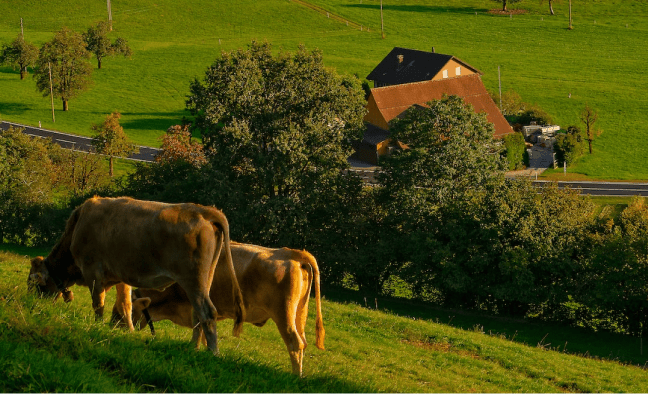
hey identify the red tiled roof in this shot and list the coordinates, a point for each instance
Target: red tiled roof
(394, 100)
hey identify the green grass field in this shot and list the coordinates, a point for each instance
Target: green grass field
(403, 347)
(601, 62)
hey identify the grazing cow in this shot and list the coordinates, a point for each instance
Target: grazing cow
(146, 244)
(275, 283)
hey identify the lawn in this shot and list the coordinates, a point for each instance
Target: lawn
(600, 62)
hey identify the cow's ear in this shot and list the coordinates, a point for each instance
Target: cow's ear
(37, 262)
(142, 303)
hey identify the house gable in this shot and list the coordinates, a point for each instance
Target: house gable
(402, 66)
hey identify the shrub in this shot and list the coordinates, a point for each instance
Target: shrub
(569, 146)
(515, 151)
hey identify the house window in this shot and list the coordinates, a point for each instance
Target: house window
(458, 71)
(445, 73)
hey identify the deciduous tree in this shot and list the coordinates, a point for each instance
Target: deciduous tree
(280, 128)
(110, 139)
(97, 42)
(177, 146)
(71, 74)
(20, 54)
(589, 116)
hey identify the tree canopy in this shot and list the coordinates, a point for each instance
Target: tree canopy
(71, 72)
(280, 127)
(20, 54)
(111, 140)
(98, 43)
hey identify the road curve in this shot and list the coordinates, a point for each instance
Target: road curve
(75, 142)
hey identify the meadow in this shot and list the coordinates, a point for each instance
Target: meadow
(600, 62)
(401, 347)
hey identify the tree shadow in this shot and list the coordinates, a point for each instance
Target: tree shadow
(152, 121)
(419, 8)
(13, 108)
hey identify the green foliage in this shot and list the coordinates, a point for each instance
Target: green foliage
(71, 74)
(569, 146)
(515, 151)
(279, 129)
(110, 139)
(20, 54)
(98, 43)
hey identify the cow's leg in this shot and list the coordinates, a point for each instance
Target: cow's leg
(124, 302)
(205, 311)
(98, 297)
(291, 337)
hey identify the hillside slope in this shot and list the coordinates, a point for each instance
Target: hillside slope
(47, 346)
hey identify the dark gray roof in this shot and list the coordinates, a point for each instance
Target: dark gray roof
(416, 66)
(374, 134)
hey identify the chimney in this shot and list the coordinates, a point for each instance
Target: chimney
(432, 49)
(400, 58)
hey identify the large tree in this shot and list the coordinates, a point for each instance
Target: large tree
(280, 127)
(20, 54)
(71, 73)
(110, 139)
(97, 42)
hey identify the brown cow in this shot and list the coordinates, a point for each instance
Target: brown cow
(275, 283)
(144, 244)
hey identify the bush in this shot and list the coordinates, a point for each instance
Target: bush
(569, 146)
(515, 151)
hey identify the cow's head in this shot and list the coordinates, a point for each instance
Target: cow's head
(40, 279)
(139, 305)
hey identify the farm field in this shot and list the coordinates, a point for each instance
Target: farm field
(600, 62)
(59, 347)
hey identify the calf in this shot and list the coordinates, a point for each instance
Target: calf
(275, 283)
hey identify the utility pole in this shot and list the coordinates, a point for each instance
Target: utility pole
(499, 78)
(382, 24)
(49, 64)
(109, 15)
(22, 30)
(570, 16)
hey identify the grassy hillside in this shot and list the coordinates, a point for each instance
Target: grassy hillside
(49, 346)
(600, 62)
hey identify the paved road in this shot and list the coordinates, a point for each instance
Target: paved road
(146, 153)
(605, 188)
(76, 142)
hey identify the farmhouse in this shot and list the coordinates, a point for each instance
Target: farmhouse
(407, 77)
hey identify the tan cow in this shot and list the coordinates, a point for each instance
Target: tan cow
(276, 285)
(144, 244)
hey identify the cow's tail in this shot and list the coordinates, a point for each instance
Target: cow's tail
(239, 307)
(319, 323)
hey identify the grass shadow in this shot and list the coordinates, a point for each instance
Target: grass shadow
(152, 121)
(13, 108)
(551, 336)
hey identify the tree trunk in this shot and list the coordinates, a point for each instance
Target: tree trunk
(65, 104)
(590, 145)
(23, 72)
(98, 62)
(551, 11)
(111, 166)
(504, 5)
